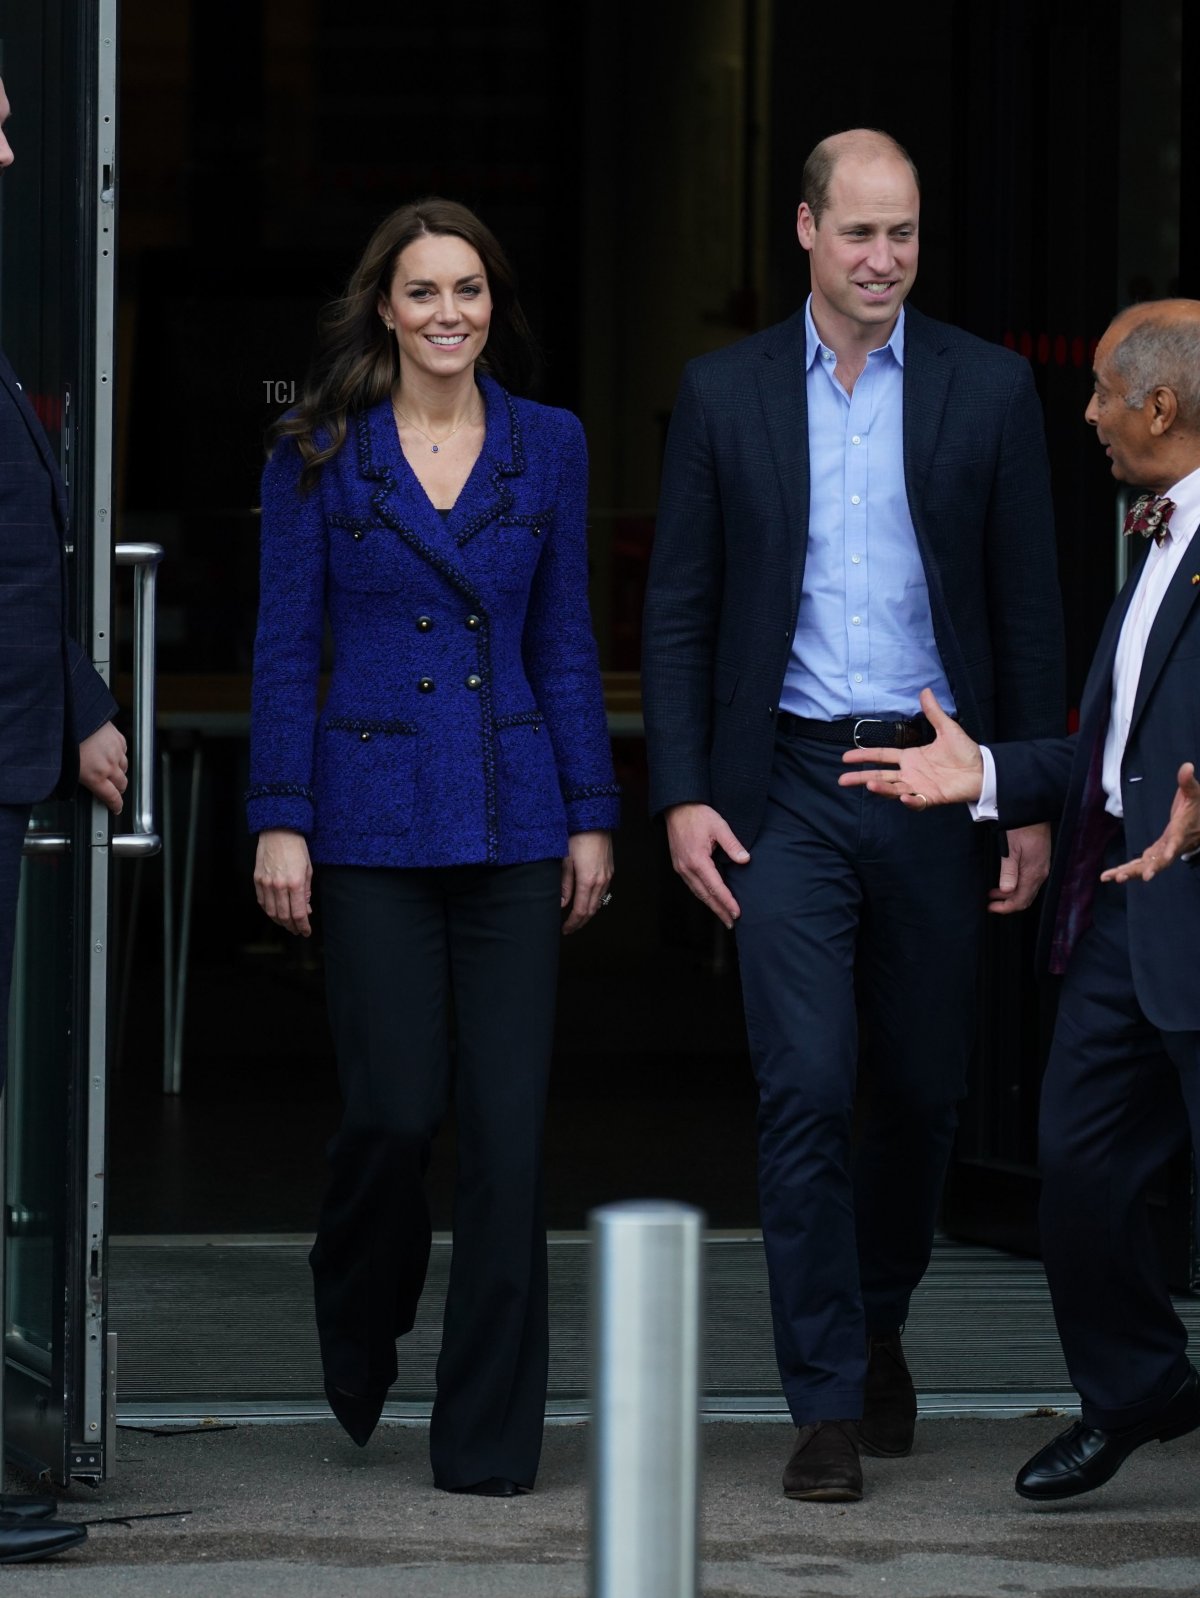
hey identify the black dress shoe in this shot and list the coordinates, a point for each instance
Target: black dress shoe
(28, 1506)
(22, 1539)
(492, 1487)
(358, 1412)
(889, 1415)
(824, 1466)
(1083, 1458)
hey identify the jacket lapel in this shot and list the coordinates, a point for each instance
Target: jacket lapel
(783, 394)
(926, 383)
(1174, 610)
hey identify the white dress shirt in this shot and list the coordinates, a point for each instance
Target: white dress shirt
(1161, 563)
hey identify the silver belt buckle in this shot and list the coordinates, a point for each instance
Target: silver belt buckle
(863, 721)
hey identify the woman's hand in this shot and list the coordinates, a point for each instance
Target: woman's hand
(586, 873)
(283, 879)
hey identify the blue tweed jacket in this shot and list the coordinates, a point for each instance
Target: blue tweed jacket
(465, 719)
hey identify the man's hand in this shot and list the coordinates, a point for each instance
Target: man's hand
(103, 765)
(693, 832)
(1181, 837)
(949, 771)
(1023, 870)
(587, 870)
(283, 879)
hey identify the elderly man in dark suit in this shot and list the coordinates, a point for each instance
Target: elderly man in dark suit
(55, 731)
(1122, 1086)
(854, 502)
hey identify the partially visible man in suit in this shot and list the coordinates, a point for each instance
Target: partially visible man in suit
(1122, 1085)
(854, 502)
(55, 731)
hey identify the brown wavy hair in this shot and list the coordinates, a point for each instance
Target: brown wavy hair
(357, 362)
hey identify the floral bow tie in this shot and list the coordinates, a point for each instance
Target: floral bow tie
(1149, 515)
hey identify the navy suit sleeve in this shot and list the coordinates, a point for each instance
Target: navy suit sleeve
(287, 648)
(1025, 607)
(560, 656)
(93, 703)
(683, 601)
(1032, 779)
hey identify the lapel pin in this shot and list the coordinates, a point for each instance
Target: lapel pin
(1195, 579)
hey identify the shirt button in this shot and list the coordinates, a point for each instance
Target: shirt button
(857, 620)
(854, 559)
(425, 685)
(858, 676)
(854, 499)
(473, 623)
(424, 623)
(474, 682)
(856, 439)
(827, 355)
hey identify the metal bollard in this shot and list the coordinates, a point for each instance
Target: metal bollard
(645, 1341)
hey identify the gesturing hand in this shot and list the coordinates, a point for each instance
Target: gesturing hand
(1181, 837)
(948, 771)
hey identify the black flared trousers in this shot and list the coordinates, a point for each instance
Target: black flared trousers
(414, 958)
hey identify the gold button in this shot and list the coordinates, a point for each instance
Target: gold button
(364, 737)
(473, 622)
(426, 685)
(424, 623)
(358, 534)
(474, 682)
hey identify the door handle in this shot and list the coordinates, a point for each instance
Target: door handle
(143, 839)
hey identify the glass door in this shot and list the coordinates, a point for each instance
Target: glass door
(57, 222)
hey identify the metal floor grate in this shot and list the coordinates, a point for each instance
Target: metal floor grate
(224, 1325)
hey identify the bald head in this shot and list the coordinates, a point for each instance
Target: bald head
(1157, 345)
(861, 145)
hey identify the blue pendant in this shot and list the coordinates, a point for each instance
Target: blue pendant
(434, 450)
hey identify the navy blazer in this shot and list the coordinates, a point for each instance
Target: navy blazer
(465, 718)
(51, 696)
(1044, 781)
(732, 534)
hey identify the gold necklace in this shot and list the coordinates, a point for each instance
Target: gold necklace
(435, 444)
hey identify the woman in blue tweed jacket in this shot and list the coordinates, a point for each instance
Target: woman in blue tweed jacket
(455, 794)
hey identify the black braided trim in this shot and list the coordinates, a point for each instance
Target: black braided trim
(365, 724)
(279, 790)
(521, 718)
(593, 790)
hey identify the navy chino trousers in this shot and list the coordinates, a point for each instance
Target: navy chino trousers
(852, 905)
(405, 951)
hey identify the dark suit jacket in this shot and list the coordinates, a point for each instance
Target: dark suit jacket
(51, 696)
(729, 552)
(1046, 779)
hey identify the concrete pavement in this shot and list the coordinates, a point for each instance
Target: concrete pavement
(297, 1510)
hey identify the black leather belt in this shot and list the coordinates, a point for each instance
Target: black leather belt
(861, 732)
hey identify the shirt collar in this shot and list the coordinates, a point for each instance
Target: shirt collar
(813, 345)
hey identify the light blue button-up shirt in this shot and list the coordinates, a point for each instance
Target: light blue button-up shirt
(864, 642)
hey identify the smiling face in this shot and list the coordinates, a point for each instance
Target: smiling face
(1126, 431)
(440, 306)
(863, 252)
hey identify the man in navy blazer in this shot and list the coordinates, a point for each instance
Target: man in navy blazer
(854, 502)
(1122, 1087)
(55, 731)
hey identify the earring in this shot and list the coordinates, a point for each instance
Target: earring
(391, 326)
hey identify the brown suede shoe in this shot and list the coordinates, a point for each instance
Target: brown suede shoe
(825, 1466)
(889, 1416)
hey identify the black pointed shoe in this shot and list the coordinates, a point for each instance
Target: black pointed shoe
(889, 1416)
(1083, 1457)
(358, 1412)
(492, 1487)
(824, 1466)
(23, 1539)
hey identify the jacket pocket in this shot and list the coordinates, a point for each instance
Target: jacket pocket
(725, 681)
(366, 775)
